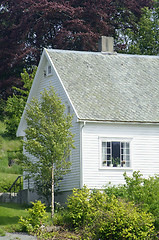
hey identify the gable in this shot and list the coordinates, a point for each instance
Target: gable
(102, 87)
(45, 77)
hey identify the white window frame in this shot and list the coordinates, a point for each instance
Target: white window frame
(49, 70)
(121, 165)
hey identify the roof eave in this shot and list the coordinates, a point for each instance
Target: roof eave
(115, 121)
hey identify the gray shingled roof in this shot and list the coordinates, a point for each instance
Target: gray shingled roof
(110, 87)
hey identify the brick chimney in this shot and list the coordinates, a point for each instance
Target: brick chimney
(106, 44)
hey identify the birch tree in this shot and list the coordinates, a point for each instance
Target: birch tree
(49, 139)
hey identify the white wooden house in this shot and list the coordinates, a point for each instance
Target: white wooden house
(115, 102)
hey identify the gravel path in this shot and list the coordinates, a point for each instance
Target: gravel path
(17, 236)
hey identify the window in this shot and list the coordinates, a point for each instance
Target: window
(49, 70)
(115, 153)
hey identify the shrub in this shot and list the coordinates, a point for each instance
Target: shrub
(35, 219)
(143, 192)
(118, 191)
(107, 217)
(112, 218)
(78, 205)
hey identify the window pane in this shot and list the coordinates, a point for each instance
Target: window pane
(127, 145)
(127, 164)
(108, 144)
(108, 150)
(127, 151)
(127, 158)
(104, 150)
(122, 145)
(115, 150)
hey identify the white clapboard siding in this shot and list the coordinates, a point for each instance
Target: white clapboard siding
(28, 183)
(144, 152)
(72, 179)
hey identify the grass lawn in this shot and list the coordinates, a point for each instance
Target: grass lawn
(10, 212)
(8, 154)
(9, 216)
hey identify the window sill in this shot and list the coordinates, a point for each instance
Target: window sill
(49, 74)
(116, 168)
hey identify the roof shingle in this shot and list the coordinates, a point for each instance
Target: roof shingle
(106, 87)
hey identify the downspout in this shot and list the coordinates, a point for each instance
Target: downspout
(81, 154)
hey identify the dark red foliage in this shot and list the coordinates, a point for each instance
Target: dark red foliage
(27, 26)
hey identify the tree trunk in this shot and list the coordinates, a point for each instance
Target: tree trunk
(52, 193)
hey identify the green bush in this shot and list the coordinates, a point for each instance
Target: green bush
(35, 219)
(143, 192)
(118, 191)
(78, 205)
(113, 218)
(107, 217)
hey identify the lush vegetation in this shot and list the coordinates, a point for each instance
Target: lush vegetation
(15, 104)
(143, 192)
(9, 151)
(145, 40)
(128, 211)
(123, 212)
(106, 217)
(35, 219)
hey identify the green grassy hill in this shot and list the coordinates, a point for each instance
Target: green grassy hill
(9, 169)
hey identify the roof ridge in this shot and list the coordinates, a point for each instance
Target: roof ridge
(102, 53)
